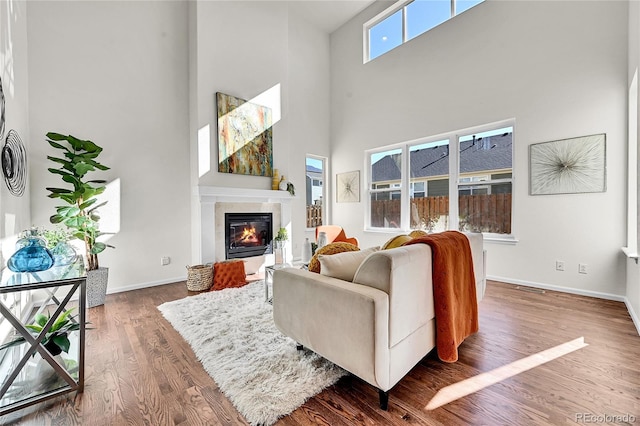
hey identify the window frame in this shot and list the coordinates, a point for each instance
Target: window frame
(453, 177)
(325, 172)
(400, 5)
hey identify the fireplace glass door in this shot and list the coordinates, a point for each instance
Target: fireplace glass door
(248, 234)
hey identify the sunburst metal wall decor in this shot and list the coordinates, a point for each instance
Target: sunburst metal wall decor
(568, 166)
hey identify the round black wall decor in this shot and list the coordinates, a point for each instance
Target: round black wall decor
(14, 164)
(1, 111)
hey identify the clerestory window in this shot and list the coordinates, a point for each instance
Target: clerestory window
(407, 19)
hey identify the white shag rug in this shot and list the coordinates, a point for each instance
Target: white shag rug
(259, 369)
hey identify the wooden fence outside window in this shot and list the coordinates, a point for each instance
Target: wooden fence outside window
(314, 216)
(478, 213)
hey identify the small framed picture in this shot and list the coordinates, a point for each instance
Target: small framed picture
(348, 187)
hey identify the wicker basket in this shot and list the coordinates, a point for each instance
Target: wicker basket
(199, 277)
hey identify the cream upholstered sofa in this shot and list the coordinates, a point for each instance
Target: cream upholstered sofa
(377, 327)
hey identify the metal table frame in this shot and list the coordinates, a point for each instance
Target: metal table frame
(35, 282)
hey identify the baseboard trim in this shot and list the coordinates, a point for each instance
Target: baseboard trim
(632, 313)
(139, 286)
(571, 290)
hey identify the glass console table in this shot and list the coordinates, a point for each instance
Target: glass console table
(268, 277)
(28, 372)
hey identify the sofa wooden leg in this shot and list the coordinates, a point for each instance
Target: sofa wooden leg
(384, 399)
(299, 346)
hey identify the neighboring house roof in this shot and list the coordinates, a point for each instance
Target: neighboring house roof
(313, 169)
(314, 172)
(488, 153)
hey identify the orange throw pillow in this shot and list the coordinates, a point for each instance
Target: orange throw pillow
(227, 274)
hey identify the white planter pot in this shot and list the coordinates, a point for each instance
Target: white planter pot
(97, 281)
(279, 252)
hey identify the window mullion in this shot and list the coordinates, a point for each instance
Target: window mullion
(454, 173)
(404, 24)
(405, 197)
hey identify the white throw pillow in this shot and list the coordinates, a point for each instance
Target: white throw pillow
(343, 265)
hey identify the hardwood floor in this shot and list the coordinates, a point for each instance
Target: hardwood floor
(139, 371)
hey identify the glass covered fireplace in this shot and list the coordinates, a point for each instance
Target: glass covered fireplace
(247, 234)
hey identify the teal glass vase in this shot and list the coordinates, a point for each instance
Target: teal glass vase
(33, 256)
(63, 254)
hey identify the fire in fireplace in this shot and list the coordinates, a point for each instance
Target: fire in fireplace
(247, 234)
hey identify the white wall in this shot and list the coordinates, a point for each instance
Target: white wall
(116, 72)
(244, 49)
(309, 100)
(558, 68)
(15, 214)
(633, 272)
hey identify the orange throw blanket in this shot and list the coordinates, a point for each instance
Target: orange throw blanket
(454, 291)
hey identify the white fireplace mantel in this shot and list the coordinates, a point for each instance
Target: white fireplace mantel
(221, 194)
(209, 196)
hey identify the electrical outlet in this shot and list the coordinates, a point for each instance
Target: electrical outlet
(582, 268)
(165, 260)
(559, 265)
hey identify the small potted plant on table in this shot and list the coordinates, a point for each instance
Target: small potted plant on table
(56, 340)
(279, 245)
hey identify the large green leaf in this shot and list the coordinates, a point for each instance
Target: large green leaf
(60, 172)
(88, 203)
(61, 320)
(16, 341)
(56, 218)
(69, 198)
(72, 180)
(56, 136)
(90, 155)
(91, 147)
(62, 341)
(98, 247)
(59, 190)
(82, 168)
(34, 327)
(58, 146)
(68, 211)
(58, 160)
(74, 222)
(41, 319)
(76, 143)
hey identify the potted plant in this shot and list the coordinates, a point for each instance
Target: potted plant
(279, 242)
(58, 243)
(56, 340)
(79, 214)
